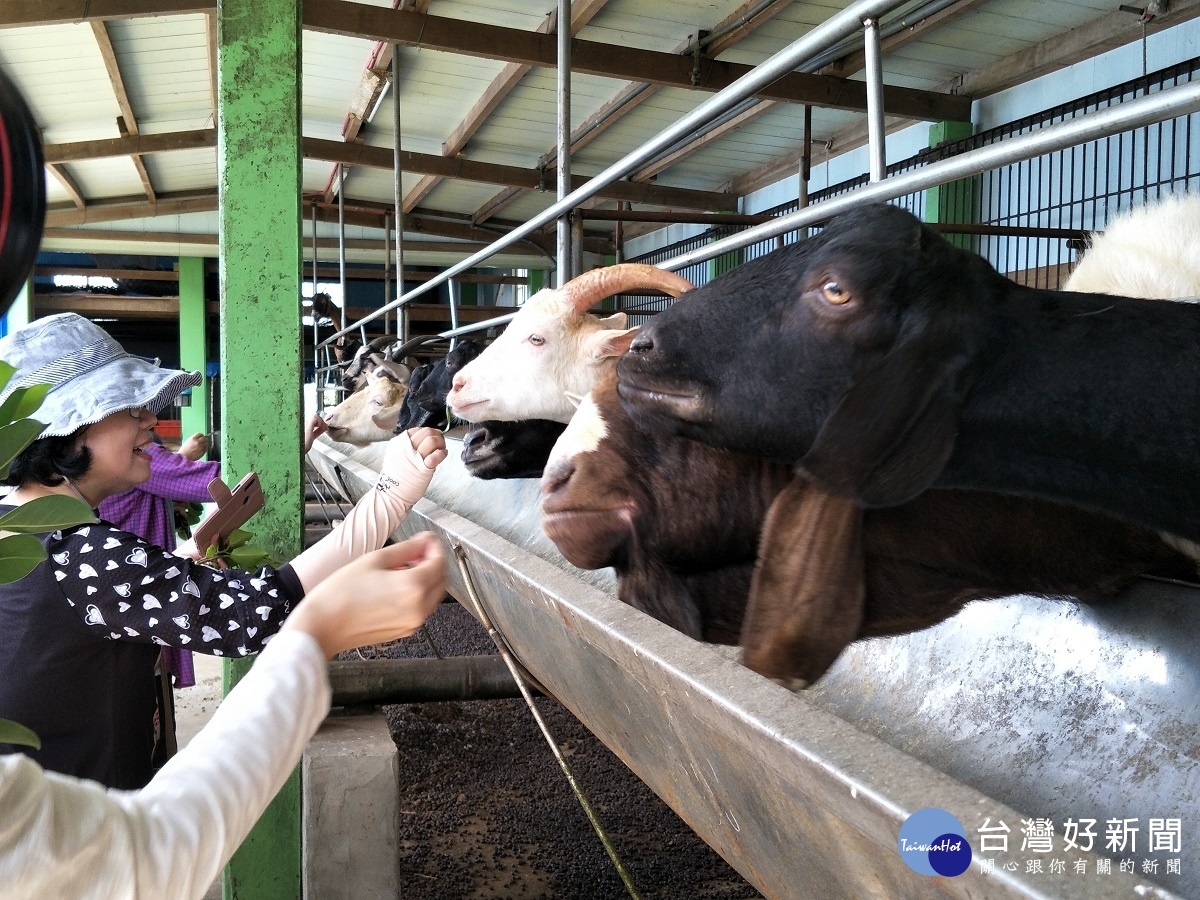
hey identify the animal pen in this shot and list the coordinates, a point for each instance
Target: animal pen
(1016, 710)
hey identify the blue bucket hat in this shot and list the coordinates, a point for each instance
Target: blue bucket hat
(89, 373)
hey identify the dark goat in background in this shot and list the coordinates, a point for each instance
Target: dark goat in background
(680, 523)
(426, 402)
(881, 360)
(509, 449)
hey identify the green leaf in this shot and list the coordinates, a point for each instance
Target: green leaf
(23, 402)
(6, 372)
(19, 553)
(47, 514)
(250, 557)
(16, 437)
(12, 733)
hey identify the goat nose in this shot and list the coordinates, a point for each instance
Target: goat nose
(457, 383)
(473, 438)
(556, 476)
(643, 343)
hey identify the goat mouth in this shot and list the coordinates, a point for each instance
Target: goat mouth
(588, 538)
(654, 402)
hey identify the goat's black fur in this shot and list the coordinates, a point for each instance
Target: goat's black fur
(881, 360)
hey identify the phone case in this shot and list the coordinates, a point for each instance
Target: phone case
(234, 508)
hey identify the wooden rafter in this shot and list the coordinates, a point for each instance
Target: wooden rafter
(127, 123)
(63, 177)
(495, 93)
(381, 158)
(1104, 33)
(741, 22)
(626, 63)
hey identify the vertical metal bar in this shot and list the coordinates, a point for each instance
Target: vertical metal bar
(874, 75)
(387, 265)
(563, 232)
(455, 291)
(341, 174)
(316, 327)
(576, 244)
(398, 190)
(805, 159)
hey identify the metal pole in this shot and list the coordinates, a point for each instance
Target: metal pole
(421, 680)
(874, 65)
(805, 158)
(840, 25)
(316, 327)
(387, 265)
(563, 249)
(455, 297)
(1147, 110)
(341, 174)
(398, 188)
(576, 242)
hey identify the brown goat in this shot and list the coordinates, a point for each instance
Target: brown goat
(680, 522)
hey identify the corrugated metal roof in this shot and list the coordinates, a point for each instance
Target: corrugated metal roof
(165, 66)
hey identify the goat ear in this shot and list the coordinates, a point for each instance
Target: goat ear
(603, 344)
(616, 320)
(574, 399)
(890, 435)
(806, 596)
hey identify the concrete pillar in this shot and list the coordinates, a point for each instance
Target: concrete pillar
(953, 202)
(351, 809)
(193, 342)
(259, 166)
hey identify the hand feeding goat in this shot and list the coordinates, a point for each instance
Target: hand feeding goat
(680, 522)
(553, 349)
(881, 360)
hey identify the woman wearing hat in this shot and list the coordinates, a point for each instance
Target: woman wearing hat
(79, 635)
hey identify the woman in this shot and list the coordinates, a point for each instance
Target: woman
(79, 635)
(61, 837)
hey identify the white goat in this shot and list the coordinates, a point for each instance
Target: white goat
(552, 348)
(370, 413)
(1150, 251)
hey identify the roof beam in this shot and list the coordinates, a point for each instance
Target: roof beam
(78, 151)
(63, 177)
(1114, 29)
(500, 87)
(127, 122)
(625, 63)
(19, 13)
(729, 30)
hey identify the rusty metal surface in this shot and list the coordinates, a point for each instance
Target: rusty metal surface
(805, 794)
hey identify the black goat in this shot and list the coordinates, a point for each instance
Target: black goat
(680, 522)
(509, 449)
(882, 360)
(411, 414)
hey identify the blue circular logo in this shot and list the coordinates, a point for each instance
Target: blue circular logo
(933, 842)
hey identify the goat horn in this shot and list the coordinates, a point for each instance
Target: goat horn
(586, 290)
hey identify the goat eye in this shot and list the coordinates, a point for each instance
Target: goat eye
(833, 293)
(537, 340)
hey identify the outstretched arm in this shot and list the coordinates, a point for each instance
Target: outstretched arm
(64, 837)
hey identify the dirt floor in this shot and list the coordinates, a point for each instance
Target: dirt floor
(486, 812)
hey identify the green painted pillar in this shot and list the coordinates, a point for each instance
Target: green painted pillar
(193, 342)
(259, 168)
(725, 262)
(953, 202)
(537, 281)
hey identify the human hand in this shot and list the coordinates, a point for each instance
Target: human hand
(315, 428)
(381, 596)
(409, 461)
(194, 447)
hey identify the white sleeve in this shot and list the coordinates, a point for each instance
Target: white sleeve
(65, 837)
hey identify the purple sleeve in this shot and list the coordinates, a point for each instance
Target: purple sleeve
(125, 589)
(175, 477)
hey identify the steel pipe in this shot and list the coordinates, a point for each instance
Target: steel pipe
(1176, 101)
(565, 258)
(838, 26)
(876, 146)
(421, 680)
(398, 195)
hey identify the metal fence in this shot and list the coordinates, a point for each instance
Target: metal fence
(1030, 216)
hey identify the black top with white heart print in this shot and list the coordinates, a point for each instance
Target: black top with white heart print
(80, 634)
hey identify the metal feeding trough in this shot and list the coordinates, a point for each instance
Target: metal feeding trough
(1034, 723)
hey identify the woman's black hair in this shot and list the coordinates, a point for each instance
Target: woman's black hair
(49, 461)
